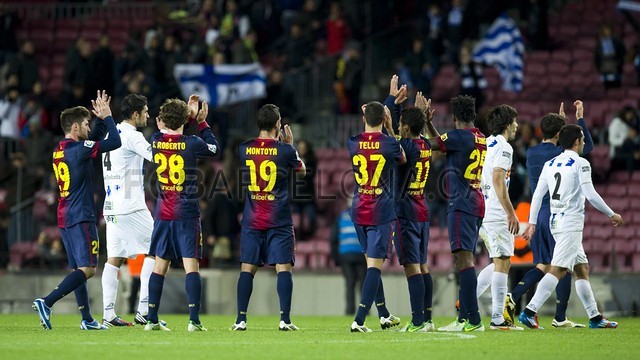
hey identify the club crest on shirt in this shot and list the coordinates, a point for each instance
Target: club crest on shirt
(444, 137)
(89, 143)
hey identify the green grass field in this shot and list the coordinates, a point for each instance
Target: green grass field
(21, 337)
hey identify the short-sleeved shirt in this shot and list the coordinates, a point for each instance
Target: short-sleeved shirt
(564, 176)
(499, 156)
(266, 165)
(175, 156)
(122, 171)
(412, 178)
(465, 152)
(74, 172)
(374, 157)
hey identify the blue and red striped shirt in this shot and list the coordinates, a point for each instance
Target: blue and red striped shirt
(175, 156)
(412, 179)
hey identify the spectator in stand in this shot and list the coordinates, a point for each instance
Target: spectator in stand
(25, 67)
(619, 129)
(433, 31)
(609, 58)
(311, 18)
(628, 155)
(472, 81)
(9, 23)
(420, 70)
(233, 23)
(534, 12)
(244, 50)
(297, 47)
(32, 118)
(347, 253)
(102, 65)
(170, 56)
(337, 29)
(77, 74)
(10, 113)
(455, 31)
(279, 93)
(348, 80)
(303, 198)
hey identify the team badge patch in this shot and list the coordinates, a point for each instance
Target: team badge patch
(443, 137)
(89, 143)
(212, 148)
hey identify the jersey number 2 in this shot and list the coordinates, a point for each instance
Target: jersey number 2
(558, 178)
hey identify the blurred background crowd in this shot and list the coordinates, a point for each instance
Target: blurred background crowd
(323, 59)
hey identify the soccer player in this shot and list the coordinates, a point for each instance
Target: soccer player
(72, 165)
(500, 223)
(542, 242)
(129, 222)
(267, 235)
(177, 231)
(567, 178)
(412, 227)
(465, 149)
(374, 156)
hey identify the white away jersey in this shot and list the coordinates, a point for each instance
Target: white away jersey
(499, 155)
(122, 170)
(563, 177)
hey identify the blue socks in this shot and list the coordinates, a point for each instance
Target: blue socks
(468, 299)
(369, 290)
(68, 284)
(563, 292)
(156, 282)
(82, 298)
(428, 296)
(530, 279)
(245, 287)
(416, 297)
(380, 301)
(285, 290)
(193, 286)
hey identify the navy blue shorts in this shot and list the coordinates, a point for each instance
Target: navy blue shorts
(82, 244)
(542, 242)
(411, 241)
(463, 231)
(271, 246)
(376, 239)
(176, 239)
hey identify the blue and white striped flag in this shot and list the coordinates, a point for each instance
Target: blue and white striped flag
(627, 5)
(221, 84)
(503, 48)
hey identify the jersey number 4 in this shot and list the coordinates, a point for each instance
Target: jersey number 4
(175, 164)
(362, 176)
(268, 173)
(106, 162)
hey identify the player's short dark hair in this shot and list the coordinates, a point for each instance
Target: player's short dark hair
(500, 117)
(374, 113)
(568, 135)
(268, 117)
(74, 115)
(132, 103)
(174, 113)
(464, 108)
(415, 119)
(551, 125)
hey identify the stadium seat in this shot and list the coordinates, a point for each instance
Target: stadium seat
(623, 255)
(621, 179)
(598, 254)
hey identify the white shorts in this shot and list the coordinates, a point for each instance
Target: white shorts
(129, 235)
(568, 251)
(497, 238)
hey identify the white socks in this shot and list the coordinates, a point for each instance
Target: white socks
(583, 288)
(484, 279)
(109, 291)
(498, 297)
(145, 273)
(545, 288)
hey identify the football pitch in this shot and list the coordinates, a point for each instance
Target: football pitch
(21, 337)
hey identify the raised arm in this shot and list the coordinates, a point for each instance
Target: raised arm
(103, 112)
(397, 96)
(588, 141)
(99, 131)
(212, 147)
